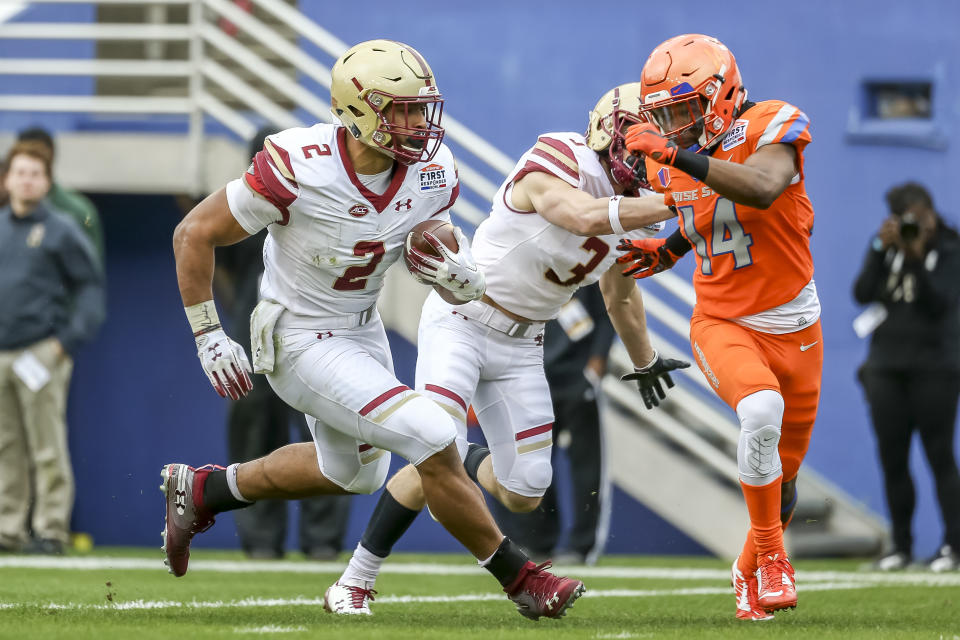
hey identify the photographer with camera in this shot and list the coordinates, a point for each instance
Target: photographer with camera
(911, 377)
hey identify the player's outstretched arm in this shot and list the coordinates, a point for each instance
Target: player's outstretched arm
(580, 213)
(625, 307)
(757, 182)
(208, 225)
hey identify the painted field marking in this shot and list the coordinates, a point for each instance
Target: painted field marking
(141, 605)
(920, 578)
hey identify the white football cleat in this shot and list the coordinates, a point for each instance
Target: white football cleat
(343, 598)
(746, 592)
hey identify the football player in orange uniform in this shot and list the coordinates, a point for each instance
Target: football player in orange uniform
(734, 171)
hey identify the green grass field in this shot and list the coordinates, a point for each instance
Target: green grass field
(126, 593)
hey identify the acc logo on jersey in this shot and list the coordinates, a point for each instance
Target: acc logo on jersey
(736, 136)
(359, 210)
(432, 177)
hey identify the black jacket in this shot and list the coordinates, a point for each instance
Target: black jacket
(922, 330)
(50, 281)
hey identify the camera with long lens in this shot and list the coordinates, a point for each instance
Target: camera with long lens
(909, 227)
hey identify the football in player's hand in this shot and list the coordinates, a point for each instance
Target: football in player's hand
(442, 231)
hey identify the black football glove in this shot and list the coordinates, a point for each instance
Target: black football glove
(648, 379)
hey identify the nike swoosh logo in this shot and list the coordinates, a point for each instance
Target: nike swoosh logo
(804, 347)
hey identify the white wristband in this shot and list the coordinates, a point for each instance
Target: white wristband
(613, 213)
(202, 317)
(644, 368)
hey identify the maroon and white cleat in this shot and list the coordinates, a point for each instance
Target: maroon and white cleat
(185, 515)
(537, 592)
(349, 599)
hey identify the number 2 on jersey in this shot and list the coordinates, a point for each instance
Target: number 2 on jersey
(728, 236)
(355, 277)
(598, 247)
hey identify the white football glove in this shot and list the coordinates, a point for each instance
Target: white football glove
(225, 364)
(456, 272)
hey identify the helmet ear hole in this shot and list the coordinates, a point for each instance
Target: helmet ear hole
(356, 112)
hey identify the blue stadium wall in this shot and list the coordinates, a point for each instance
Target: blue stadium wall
(509, 71)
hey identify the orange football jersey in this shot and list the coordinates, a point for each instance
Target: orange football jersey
(748, 260)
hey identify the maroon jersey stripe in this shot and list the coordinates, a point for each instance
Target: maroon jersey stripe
(284, 157)
(381, 201)
(446, 393)
(254, 182)
(534, 431)
(383, 397)
(559, 146)
(453, 198)
(555, 162)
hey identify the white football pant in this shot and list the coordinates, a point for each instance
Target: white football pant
(357, 410)
(462, 362)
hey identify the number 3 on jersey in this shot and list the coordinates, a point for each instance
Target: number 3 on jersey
(728, 236)
(597, 247)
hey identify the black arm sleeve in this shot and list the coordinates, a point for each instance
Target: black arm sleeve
(677, 244)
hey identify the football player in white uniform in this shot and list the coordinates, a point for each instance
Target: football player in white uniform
(489, 351)
(338, 202)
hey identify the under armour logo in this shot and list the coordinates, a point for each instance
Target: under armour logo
(181, 501)
(216, 354)
(538, 339)
(554, 600)
(401, 203)
(324, 334)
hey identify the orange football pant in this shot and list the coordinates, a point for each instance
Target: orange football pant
(738, 361)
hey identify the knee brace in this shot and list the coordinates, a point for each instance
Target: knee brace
(758, 457)
(416, 430)
(352, 476)
(370, 477)
(529, 478)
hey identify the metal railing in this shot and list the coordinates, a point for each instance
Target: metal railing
(202, 32)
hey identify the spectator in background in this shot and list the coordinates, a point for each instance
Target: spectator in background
(68, 201)
(575, 349)
(53, 300)
(911, 377)
(260, 422)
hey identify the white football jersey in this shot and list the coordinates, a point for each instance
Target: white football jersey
(533, 267)
(330, 238)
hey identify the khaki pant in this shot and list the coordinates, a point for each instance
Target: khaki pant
(34, 458)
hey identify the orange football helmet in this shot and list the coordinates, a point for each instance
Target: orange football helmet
(691, 82)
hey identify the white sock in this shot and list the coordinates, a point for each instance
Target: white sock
(364, 567)
(232, 483)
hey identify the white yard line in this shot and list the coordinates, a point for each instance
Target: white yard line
(420, 568)
(141, 605)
